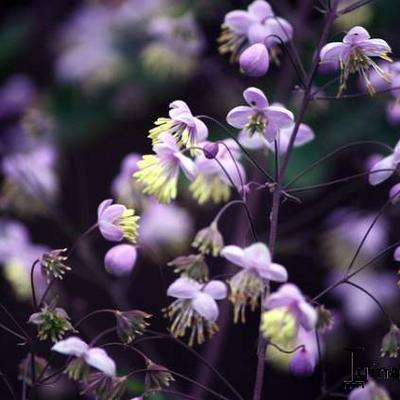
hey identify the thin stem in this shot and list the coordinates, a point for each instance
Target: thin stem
(333, 153)
(13, 332)
(355, 95)
(246, 153)
(80, 237)
(16, 323)
(92, 313)
(321, 361)
(34, 302)
(274, 215)
(202, 359)
(355, 6)
(46, 292)
(377, 302)
(336, 181)
(301, 346)
(8, 384)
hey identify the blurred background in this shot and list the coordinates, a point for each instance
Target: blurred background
(87, 79)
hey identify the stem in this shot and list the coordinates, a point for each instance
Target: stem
(274, 215)
(13, 332)
(95, 312)
(34, 302)
(9, 387)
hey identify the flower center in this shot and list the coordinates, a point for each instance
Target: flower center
(257, 123)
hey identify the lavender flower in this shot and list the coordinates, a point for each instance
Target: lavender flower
(159, 172)
(259, 116)
(386, 167)
(195, 308)
(182, 125)
(248, 285)
(91, 356)
(353, 55)
(254, 61)
(117, 222)
(121, 259)
(372, 391)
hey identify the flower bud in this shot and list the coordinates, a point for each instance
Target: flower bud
(391, 343)
(301, 363)
(193, 266)
(254, 61)
(120, 259)
(157, 376)
(210, 150)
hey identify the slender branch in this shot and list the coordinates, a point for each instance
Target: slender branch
(13, 332)
(8, 384)
(355, 6)
(355, 95)
(34, 302)
(16, 323)
(92, 313)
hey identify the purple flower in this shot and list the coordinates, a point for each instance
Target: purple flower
(125, 189)
(16, 94)
(372, 391)
(117, 222)
(254, 61)
(195, 308)
(385, 168)
(248, 285)
(120, 259)
(301, 363)
(181, 125)
(354, 55)
(393, 112)
(93, 356)
(259, 116)
(159, 172)
(289, 296)
(216, 176)
(210, 150)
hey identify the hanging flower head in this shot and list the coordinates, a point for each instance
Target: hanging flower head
(353, 55)
(216, 176)
(385, 167)
(256, 25)
(117, 222)
(159, 172)
(85, 356)
(260, 117)
(248, 285)
(182, 125)
(195, 308)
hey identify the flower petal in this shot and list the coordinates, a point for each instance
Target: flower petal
(216, 289)
(188, 166)
(355, 35)
(307, 316)
(239, 21)
(275, 272)
(332, 52)
(375, 47)
(280, 116)
(99, 359)
(238, 117)
(201, 130)
(257, 33)
(260, 10)
(234, 254)
(278, 27)
(271, 132)
(184, 288)
(255, 98)
(257, 256)
(387, 167)
(206, 306)
(110, 232)
(254, 142)
(72, 346)
(304, 135)
(102, 206)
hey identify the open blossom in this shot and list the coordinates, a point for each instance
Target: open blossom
(195, 308)
(248, 285)
(353, 55)
(117, 222)
(258, 24)
(159, 172)
(386, 167)
(259, 116)
(304, 135)
(290, 297)
(182, 125)
(215, 177)
(92, 356)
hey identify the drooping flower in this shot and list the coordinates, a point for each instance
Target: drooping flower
(209, 240)
(290, 298)
(53, 264)
(182, 125)
(121, 259)
(131, 324)
(371, 391)
(195, 308)
(125, 190)
(159, 172)
(391, 342)
(216, 176)
(256, 25)
(254, 61)
(157, 376)
(259, 117)
(29, 190)
(386, 167)
(52, 323)
(156, 224)
(248, 285)
(192, 266)
(116, 222)
(353, 55)
(17, 255)
(85, 356)
(105, 387)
